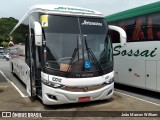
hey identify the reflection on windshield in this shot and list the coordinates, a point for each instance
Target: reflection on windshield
(59, 48)
(66, 47)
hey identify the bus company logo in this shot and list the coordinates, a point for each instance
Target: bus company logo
(135, 53)
(91, 23)
(56, 79)
(85, 89)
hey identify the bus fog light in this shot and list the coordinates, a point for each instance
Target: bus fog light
(109, 92)
(53, 97)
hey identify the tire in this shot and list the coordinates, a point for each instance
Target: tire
(12, 69)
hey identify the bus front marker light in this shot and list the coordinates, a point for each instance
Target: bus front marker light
(110, 81)
(55, 85)
(45, 81)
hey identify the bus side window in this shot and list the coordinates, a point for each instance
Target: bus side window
(27, 55)
(138, 34)
(149, 29)
(122, 24)
(128, 27)
(158, 35)
(154, 26)
(115, 37)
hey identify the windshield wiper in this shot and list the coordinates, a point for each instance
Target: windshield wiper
(92, 57)
(72, 58)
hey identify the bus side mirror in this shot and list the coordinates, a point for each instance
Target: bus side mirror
(123, 36)
(38, 33)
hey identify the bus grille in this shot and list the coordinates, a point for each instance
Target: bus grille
(83, 88)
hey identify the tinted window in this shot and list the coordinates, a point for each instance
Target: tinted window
(139, 29)
(153, 26)
(92, 26)
(62, 24)
(115, 36)
(135, 29)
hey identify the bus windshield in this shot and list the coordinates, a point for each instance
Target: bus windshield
(77, 44)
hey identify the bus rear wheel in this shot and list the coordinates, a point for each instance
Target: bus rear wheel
(12, 69)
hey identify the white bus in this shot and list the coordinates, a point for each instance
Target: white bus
(65, 54)
(138, 63)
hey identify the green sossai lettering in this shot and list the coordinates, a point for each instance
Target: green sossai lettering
(116, 50)
(145, 53)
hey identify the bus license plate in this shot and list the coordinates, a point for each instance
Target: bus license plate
(84, 99)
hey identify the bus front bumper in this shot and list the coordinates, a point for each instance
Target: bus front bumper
(53, 96)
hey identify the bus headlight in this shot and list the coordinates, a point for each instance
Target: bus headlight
(52, 84)
(110, 81)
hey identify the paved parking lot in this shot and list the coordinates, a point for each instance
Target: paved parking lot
(2, 78)
(11, 100)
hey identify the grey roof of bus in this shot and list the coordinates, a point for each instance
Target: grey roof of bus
(59, 9)
(146, 9)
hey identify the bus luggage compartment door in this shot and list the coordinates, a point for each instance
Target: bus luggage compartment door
(151, 75)
(130, 73)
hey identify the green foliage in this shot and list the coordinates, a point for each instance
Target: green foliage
(4, 44)
(6, 26)
(20, 33)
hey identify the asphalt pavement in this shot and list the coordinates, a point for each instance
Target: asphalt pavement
(2, 79)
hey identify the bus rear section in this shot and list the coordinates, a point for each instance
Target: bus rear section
(69, 55)
(138, 63)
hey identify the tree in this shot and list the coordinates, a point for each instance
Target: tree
(6, 26)
(4, 44)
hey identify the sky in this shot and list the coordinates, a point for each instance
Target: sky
(17, 8)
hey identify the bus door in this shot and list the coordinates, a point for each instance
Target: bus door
(35, 58)
(28, 62)
(32, 58)
(35, 68)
